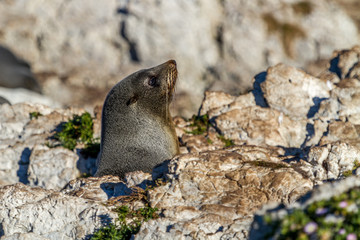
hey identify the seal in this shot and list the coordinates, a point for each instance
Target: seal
(137, 131)
(15, 72)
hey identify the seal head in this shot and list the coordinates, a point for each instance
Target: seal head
(137, 131)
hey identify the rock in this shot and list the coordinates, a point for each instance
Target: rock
(244, 152)
(220, 189)
(260, 228)
(19, 95)
(96, 189)
(24, 154)
(344, 62)
(260, 126)
(293, 92)
(28, 212)
(62, 163)
(331, 161)
(16, 73)
(84, 50)
(215, 100)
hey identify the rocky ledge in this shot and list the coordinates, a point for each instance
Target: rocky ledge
(292, 133)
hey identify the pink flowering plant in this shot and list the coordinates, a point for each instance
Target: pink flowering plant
(337, 218)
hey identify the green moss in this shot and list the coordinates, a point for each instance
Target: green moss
(302, 8)
(209, 141)
(288, 32)
(34, 115)
(271, 165)
(85, 175)
(349, 173)
(49, 144)
(78, 129)
(336, 218)
(123, 229)
(201, 124)
(227, 142)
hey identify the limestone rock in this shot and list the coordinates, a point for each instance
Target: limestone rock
(97, 189)
(19, 95)
(293, 92)
(220, 189)
(256, 148)
(24, 154)
(28, 212)
(259, 126)
(84, 50)
(345, 62)
(61, 161)
(332, 160)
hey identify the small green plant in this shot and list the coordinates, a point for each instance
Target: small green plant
(122, 229)
(349, 173)
(209, 141)
(227, 142)
(336, 218)
(78, 129)
(34, 115)
(49, 144)
(201, 124)
(84, 175)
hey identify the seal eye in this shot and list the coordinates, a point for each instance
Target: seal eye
(152, 81)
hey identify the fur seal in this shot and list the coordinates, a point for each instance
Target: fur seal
(15, 72)
(137, 131)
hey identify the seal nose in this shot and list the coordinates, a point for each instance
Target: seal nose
(173, 62)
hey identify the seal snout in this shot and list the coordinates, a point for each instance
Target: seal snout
(171, 75)
(171, 62)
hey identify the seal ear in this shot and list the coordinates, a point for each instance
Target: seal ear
(132, 100)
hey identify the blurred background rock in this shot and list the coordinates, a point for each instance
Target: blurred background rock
(77, 50)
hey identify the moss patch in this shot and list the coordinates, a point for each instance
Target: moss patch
(123, 228)
(78, 130)
(200, 124)
(350, 172)
(227, 142)
(35, 115)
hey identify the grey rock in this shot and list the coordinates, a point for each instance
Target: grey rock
(24, 156)
(16, 73)
(44, 214)
(79, 48)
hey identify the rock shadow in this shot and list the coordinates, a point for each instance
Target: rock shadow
(115, 189)
(16, 72)
(160, 170)
(132, 45)
(105, 220)
(257, 91)
(86, 164)
(24, 161)
(334, 66)
(315, 108)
